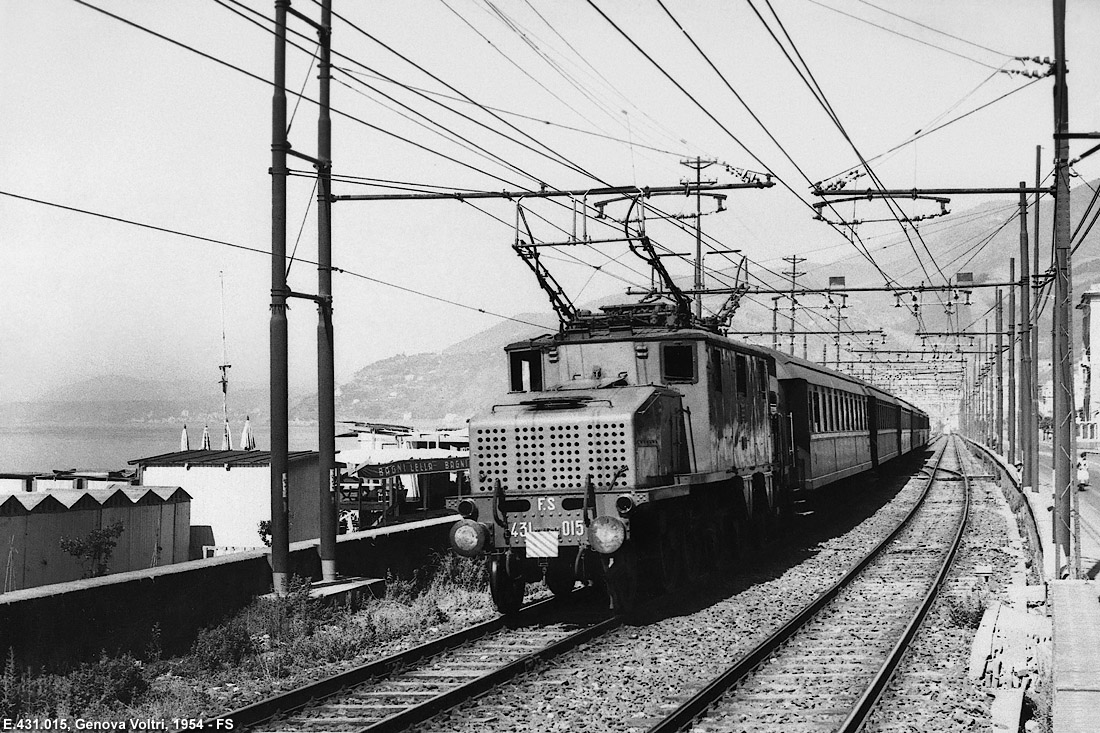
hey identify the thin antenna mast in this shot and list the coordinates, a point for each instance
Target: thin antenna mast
(227, 438)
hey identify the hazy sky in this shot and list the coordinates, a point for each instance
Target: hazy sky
(102, 116)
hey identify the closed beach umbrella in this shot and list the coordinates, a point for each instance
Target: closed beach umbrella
(185, 444)
(227, 438)
(205, 438)
(248, 440)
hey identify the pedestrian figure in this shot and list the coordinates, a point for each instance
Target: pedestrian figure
(1082, 473)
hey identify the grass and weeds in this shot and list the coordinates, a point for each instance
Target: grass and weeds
(272, 644)
(966, 608)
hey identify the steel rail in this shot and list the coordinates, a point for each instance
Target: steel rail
(698, 704)
(873, 693)
(419, 713)
(298, 698)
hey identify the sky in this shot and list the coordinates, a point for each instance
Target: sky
(107, 118)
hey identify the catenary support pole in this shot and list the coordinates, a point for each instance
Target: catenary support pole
(326, 376)
(280, 546)
(1013, 440)
(1062, 347)
(1028, 431)
(999, 419)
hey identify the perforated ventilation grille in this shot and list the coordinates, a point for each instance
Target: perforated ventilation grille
(545, 458)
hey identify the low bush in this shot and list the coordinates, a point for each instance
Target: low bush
(106, 682)
(222, 646)
(966, 609)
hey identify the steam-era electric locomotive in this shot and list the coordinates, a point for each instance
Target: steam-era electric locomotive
(634, 446)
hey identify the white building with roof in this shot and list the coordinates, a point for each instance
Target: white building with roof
(231, 494)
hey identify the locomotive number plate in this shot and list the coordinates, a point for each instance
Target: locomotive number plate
(542, 544)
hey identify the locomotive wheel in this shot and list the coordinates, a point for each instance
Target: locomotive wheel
(560, 578)
(742, 542)
(727, 543)
(588, 568)
(621, 571)
(673, 558)
(507, 590)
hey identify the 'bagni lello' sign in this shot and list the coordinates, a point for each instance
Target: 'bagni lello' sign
(415, 465)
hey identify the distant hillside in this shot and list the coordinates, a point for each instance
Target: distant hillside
(470, 374)
(116, 399)
(417, 388)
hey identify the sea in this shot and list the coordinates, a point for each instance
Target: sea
(41, 447)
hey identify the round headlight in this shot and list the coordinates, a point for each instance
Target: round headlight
(606, 534)
(467, 508)
(468, 537)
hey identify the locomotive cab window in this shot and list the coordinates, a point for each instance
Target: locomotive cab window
(678, 362)
(526, 371)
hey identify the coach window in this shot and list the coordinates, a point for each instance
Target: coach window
(742, 375)
(526, 369)
(678, 362)
(815, 399)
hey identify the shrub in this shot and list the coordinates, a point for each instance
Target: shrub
(966, 609)
(222, 646)
(94, 550)
(108, 681)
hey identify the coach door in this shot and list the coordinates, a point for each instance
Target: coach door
(872, 423)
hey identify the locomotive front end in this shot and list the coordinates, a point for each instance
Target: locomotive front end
(556, 479)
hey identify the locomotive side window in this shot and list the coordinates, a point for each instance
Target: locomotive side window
(526, 371)
(678, 362)
(742, 375)
(716, 368)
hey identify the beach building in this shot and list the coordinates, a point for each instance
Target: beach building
(394, 469)
(231, 495)
(155, 524)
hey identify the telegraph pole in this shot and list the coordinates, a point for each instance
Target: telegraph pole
(326, 373)
(1062, 347)
(698, 164)
(794, 274)
(775, 323)
(280, 545)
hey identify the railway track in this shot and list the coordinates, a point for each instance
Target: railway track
(822, 670)
(826, 668)
(407, 688)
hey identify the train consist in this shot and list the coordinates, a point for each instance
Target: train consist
(635, 445)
